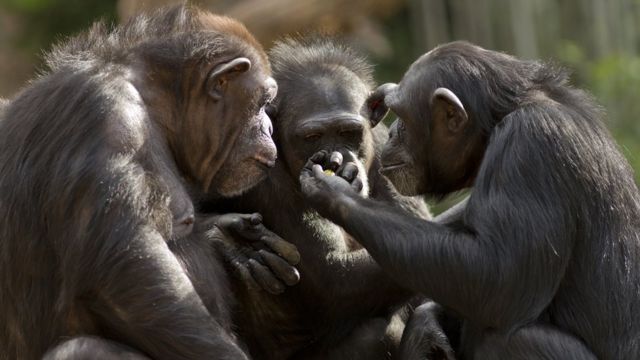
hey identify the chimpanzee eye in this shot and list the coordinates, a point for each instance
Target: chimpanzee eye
(312, 137)
(270, 109)
(351, 136)
(347, 133)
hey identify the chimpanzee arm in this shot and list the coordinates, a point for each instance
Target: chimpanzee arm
(326, 261)
(89, 347)
(149, 300)
(338, 270)
(515, 245)
(118, 259)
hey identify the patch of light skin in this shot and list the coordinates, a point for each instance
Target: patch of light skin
(362, 172)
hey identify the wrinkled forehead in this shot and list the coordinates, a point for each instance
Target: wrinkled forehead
(325, 92)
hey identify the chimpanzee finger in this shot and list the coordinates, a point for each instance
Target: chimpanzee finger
(245, 275)
(317, 171)
(261, 237)
(249, 228)
(265, 278)
(237, 222)
(348, 171)
(319, 157)
(255, 219)
(335, 161)
(280, 268)
(357, 185)
(305, 174)
(315, 159)
(285, 249)
(251, 233)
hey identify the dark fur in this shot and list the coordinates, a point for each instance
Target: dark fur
(544, 261)
(330, 314)
(99, 157)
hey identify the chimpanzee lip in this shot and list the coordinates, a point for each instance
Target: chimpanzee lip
(263, 161)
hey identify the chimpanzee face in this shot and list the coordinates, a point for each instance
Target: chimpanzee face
(212, 109)
(240, 94)
(405, 155)
(322, 112)
(430, 148)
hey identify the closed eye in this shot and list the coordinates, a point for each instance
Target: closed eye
(350, 132)
(271, 110)
(312, 137)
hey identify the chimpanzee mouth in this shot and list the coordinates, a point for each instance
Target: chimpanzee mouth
(264, 162)
(394, 166)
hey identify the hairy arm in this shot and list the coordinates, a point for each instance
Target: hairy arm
(141, 293)
(515, 242)
(326, 264)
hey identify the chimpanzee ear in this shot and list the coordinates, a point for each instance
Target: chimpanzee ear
(222, 73)
(375, 108)
(445, 105)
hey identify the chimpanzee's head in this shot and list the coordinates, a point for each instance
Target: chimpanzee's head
(323, 86)
(447, 104)
(206, 83)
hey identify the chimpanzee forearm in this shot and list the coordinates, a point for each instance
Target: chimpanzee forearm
(328, 268)
(150, 302)
(89, 347)
(446, 264)
(351, 274)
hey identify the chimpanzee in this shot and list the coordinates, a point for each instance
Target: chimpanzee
(544, 261)
(100, 158)
(4, 103)
(338, 309)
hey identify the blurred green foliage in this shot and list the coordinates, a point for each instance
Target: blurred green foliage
(615, 82)
(46, 21)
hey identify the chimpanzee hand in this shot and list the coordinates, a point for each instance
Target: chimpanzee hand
(262, 259)
(321, 187)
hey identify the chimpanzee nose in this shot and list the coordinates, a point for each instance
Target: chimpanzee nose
(266, 126)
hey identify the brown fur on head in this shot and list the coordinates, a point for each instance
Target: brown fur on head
(227, 25)
(204, 81)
